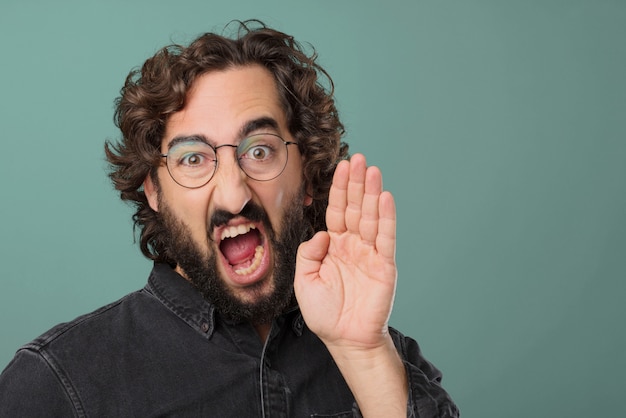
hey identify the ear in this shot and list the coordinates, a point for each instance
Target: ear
(308, 195)
(151, 193)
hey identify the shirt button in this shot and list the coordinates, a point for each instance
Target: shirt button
(204, 327)
(298, 325)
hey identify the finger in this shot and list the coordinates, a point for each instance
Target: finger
(337, 198)
(356, 190)
(386, 238)
(315, 249)
(368, 226)
(309, 257)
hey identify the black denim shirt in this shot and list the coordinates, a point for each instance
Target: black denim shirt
(163, 351)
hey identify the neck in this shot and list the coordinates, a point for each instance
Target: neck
(263, 330)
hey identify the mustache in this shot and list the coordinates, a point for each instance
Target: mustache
(251, 211)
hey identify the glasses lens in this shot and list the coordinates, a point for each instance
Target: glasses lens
(191, 163)
(262, 157)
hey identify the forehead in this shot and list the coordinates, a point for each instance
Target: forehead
(222, 105)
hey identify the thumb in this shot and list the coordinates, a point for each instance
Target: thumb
(311, 253)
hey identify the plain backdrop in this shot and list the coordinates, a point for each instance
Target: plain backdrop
(498, 125)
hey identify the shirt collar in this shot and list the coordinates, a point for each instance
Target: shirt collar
(180, 297)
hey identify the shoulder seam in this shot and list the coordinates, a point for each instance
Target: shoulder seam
(65, 382)
(40, 342)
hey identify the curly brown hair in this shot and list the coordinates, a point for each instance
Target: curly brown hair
(157, 90)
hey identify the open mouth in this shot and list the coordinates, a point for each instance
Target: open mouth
(242, 248)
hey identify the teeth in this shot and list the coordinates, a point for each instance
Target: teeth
(258, 255)
(233, 231)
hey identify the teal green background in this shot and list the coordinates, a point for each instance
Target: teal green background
(499, 127)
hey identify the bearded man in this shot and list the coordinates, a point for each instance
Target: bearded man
(274, 256)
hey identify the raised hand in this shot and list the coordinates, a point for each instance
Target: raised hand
(345, 277)
(345, 284)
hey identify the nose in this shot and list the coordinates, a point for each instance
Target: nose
(231, 191)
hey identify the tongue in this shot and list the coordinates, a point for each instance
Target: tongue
(240, 248)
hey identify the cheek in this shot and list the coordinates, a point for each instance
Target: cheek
(198, 213)
(278, 198)
(271, 199)
(192, 208)
(288, 187)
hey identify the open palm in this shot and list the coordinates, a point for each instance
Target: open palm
(346, 276)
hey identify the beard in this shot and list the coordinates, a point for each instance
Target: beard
(259, 305)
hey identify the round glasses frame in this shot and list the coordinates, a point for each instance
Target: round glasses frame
(239, 155)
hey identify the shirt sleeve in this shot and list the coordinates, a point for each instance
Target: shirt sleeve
(427, 398)
(30, 388)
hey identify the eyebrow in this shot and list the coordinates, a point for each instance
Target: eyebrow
(187, 138)
(248, 128)
(256, 124)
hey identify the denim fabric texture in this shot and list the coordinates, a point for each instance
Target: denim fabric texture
(164, 351)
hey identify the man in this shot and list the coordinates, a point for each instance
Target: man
(274, 256)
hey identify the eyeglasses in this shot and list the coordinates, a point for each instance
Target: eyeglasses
(192, 163)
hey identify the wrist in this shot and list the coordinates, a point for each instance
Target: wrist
(376, 376)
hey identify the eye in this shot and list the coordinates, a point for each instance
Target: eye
(257, 149)
(191, 155)
(192, 160)
(259, 152)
